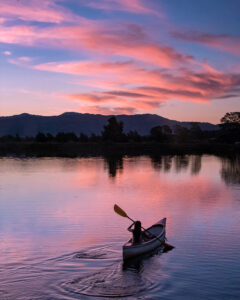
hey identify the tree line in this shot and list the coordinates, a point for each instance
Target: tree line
(113, 131)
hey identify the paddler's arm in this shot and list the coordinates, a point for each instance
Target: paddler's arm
(130, 227)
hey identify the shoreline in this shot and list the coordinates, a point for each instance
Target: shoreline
(78, 149)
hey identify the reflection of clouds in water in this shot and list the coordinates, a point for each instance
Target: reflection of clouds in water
(230, 171)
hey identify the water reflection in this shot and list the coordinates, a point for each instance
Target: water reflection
(167, 163)
(230, 166)
(230, 171)
(114, 164)
(156, 161)
(120, 279)
(196, 164)
(51, 207)
(137, 264)
(181, 162)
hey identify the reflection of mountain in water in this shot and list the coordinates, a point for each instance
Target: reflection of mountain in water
(230, 171)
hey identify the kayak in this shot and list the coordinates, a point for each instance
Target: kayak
(157, 237)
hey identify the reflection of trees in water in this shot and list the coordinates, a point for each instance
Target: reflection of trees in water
(156, 161)
(196, 164)
(114, 164)
(230, 171)
(161, 162)
(181, 162)
(167, 163)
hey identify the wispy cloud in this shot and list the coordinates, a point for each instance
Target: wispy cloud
(126, 40)
(221, 42)
(194, 87)
(7, 52)
(34, 10)
(187, 85)
(21, 61)
(132, 6)
(119, 67)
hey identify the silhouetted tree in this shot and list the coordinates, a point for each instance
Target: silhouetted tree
(83, 138)
(195, 131)
(133, 136)
(41, 137)
(231, 117)
(71, 136)
(156, 134)
(49, 137)
(182, 133)
(63, 137)
(7, 138)
(230, 127)
(94, 138)
(166, 130)
(113, 131)
(17, 138)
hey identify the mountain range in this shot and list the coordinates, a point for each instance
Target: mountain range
(29, 125)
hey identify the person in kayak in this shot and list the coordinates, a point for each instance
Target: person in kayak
(136, 231)
(138, 234)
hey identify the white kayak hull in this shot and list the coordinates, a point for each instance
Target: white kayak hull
(159, 230)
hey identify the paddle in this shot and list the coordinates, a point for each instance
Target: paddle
(122, 213)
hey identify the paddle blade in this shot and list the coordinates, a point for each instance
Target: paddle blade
(167, 247)
(119, 211)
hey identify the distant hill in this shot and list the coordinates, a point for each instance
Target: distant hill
(29, 125)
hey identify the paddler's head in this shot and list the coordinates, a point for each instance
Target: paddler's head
(137, 225)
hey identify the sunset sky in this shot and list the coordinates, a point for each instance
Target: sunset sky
(179, 58)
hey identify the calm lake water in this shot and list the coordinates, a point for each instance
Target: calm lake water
(60, 238)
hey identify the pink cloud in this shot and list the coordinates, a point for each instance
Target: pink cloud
(2, 20)
(86, 68)
(126, 41)
(21, 61)
(133, 6)
(115, 101)
(186, 85)
(34, 10)
(137, 84)
(221, 42)
(106, 110)
(7, 53)
(22, 35)
(194, 87)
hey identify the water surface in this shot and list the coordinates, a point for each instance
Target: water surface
(60, 239)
